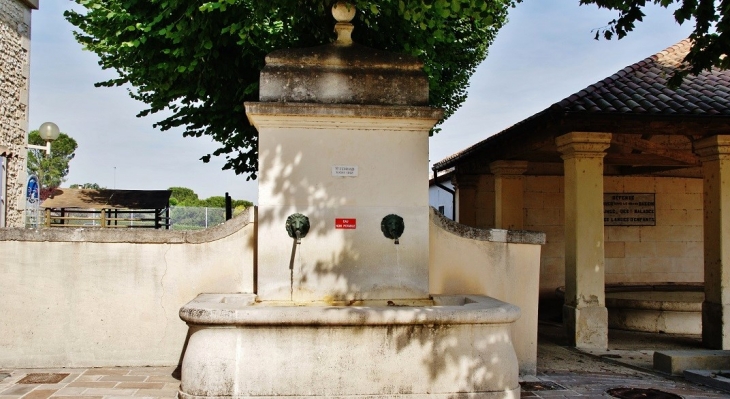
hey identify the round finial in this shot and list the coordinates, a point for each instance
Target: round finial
(343, 11)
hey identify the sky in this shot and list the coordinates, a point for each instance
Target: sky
(546, 52)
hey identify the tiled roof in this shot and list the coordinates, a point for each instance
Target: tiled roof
(639, 89)
(642, 89)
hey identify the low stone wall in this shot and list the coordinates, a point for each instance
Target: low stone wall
(103, 297)
(502, 264)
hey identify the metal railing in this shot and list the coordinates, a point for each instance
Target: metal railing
(108, 218)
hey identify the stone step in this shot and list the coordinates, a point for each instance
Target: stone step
(677, 361)
(717, 379)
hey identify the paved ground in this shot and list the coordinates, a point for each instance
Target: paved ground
(567, 372)
(562, 372)
(95, 383)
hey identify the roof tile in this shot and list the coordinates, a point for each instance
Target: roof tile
(640, 89)
(645, 81)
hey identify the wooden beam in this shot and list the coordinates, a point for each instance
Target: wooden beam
(648, 147)
(613, 158)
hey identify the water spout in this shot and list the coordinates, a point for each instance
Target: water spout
(297, 226)
(392, 227)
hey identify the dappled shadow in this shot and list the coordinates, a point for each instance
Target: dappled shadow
(331, 263)
(382, 343)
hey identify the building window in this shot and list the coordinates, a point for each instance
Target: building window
(3, 189)
(441, 209)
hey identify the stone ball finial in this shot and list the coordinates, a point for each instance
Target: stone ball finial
(343, 12)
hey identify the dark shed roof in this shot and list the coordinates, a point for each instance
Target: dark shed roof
(108, 199)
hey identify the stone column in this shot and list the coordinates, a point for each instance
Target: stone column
(584, 312)
(466, 198)
(715, 155)
(508, 194)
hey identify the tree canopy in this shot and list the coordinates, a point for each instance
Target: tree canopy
(183, 196)
(51, 170)
(710, 37)
(201, 60)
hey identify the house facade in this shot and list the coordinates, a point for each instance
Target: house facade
(15, 22)
(441, 194)
(627, 178)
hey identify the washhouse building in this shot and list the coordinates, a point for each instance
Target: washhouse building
(630, 181)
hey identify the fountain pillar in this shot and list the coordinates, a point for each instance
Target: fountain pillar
(343, 139)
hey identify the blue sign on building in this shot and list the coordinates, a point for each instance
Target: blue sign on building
(33, 191)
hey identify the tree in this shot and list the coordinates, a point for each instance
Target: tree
(184, 196)
(710, 38)
(88, 186)
(51, 170)
(201, 60)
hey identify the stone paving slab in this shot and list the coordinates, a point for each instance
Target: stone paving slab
(92, 383)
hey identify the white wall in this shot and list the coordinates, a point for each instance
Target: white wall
(501, 264)
(438, 197)
(103, 297)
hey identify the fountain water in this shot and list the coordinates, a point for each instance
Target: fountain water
(343, 139)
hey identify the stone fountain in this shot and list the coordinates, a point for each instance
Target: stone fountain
(342, 306)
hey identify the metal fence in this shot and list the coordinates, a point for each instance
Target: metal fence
(181, 218)
(195, 218)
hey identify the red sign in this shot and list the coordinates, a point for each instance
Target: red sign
(345, 223)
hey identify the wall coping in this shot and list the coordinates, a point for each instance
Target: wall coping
(31, 3)
(133, 236)
(492, 235)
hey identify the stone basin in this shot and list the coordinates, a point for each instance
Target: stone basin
(659, 308)
(671, 308)
(445, 346)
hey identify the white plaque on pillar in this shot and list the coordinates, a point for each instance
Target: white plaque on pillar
(344, 170)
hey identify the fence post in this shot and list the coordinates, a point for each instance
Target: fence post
(102, 218)
(229, 206)
(206, 217)
(48, 217)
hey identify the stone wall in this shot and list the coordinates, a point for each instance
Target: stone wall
(108, 297)
(671, 251)
(15, 71)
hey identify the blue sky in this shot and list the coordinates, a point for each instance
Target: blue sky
(545, 53)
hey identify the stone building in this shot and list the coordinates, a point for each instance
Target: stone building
(14, 79)
(629, 181)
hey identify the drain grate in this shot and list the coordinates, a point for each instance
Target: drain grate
(42, 378)
(641, 393)
(533, 386)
